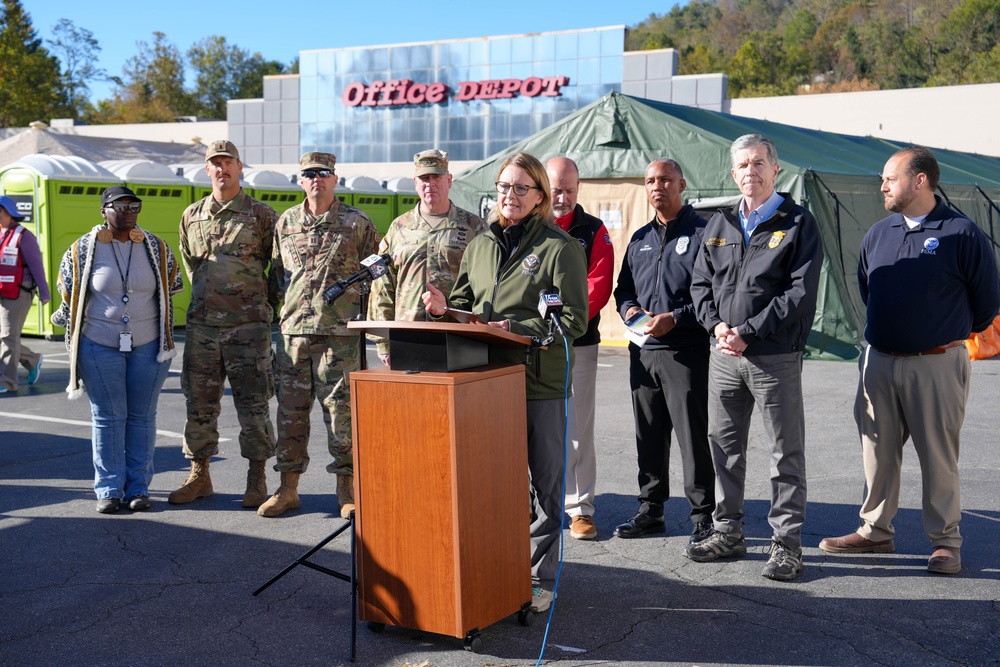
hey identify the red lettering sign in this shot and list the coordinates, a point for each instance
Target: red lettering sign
(399, 92)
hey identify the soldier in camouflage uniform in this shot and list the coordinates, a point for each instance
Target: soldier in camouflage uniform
(426, 245)
(317, 243)
(225, 242)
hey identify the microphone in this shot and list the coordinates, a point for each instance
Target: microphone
(550, 307)
(373, 267)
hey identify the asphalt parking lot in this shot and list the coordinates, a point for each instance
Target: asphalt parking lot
(172, 586)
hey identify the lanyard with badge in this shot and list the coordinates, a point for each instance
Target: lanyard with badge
(9, 257)
(125, 337)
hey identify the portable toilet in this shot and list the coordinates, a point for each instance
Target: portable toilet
(274, 189)
(373, 199)
(406, 194)
(164, 197)
(343, 192)
(60, 197)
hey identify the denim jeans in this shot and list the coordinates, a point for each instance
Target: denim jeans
(123, 388)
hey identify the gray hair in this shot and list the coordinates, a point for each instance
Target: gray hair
(674, 164)
(752, 141)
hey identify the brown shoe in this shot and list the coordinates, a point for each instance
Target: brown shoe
(582, 528)
(945, 560)
(855, 544)
(256, 492)
(345, 495)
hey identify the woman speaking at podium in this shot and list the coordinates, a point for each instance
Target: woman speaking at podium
(500, 279)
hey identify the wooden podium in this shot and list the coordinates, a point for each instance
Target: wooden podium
(441, 490)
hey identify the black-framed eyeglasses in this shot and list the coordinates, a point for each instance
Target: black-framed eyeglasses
(519, 189)
(122, 206)
(317, 173)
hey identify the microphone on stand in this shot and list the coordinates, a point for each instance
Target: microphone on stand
(550, 307)
(373, 267)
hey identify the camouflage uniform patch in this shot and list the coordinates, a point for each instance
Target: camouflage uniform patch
(317, 351)
(421, 254)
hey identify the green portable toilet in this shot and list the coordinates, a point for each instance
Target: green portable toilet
(164, 197)
(406, 194)
(274, 189)
(373, 199)
(344, 193)
(61, 199)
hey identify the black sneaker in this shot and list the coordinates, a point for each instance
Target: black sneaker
(784, 563)
(701, 531)
(108, 505)
(139, 503)
(717, 545)
(641, 524)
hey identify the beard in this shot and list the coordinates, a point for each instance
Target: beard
(898, 204)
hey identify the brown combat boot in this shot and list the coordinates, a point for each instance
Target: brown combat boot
(285, 498)
(197, 485)
(256, 492)
(345, 495)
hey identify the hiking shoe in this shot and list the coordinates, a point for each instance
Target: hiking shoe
(717, 545)
(35, 372)
(702, 529)
(784, 563)
(582, 528)
(541, 599)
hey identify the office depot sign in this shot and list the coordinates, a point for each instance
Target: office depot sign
(397, 92)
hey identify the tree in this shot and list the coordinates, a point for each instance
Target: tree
(226, 72)
(152, 89)
(32, 86)
(77, 50)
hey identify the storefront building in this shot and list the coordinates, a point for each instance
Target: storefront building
(469, 97)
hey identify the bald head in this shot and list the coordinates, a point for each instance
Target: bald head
(564, 178)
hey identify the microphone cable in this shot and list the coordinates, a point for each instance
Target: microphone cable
(562, 517)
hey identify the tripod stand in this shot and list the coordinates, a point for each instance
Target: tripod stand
(364, 290)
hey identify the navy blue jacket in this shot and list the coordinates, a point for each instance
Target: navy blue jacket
(765, 289)
(927, 286)
(656, 276)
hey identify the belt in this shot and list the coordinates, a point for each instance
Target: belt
(934, 350)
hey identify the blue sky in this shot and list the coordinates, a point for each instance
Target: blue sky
(279, 30)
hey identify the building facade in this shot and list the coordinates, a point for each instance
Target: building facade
(469, 97)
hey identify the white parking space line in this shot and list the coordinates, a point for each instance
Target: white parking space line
(77, 422)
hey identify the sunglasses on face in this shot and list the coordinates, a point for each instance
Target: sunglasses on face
(122, 206)
(317, 173)
(519, 189)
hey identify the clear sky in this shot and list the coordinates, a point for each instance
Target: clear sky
(279, 30)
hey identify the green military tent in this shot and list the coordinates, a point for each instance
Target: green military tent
(834, 176)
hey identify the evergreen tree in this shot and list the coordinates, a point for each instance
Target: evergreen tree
(29, 76)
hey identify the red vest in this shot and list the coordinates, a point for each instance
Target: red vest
(11, 262)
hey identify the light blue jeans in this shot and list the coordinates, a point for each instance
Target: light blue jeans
(123, 388)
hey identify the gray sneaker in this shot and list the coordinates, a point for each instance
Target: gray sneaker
(715, 546)
(784, 563)
(541, 599)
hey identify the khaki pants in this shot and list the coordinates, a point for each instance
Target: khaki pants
(13, 312)
(922, 398)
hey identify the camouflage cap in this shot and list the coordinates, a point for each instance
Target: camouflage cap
(431, 162)
(222, 147)
(316, 160)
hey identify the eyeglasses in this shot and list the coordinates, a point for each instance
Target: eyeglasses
(317, 173)
(519, 189)
(122, 206)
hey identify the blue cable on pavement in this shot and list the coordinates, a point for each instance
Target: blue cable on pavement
(562, 518)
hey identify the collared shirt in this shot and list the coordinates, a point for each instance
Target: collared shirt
(759, 214)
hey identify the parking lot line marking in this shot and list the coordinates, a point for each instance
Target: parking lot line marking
(77, 422)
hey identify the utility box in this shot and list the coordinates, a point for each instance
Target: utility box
(164, 197)
(61, 199)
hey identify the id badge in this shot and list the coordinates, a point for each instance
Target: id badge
(125, 341)
(9, 257)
